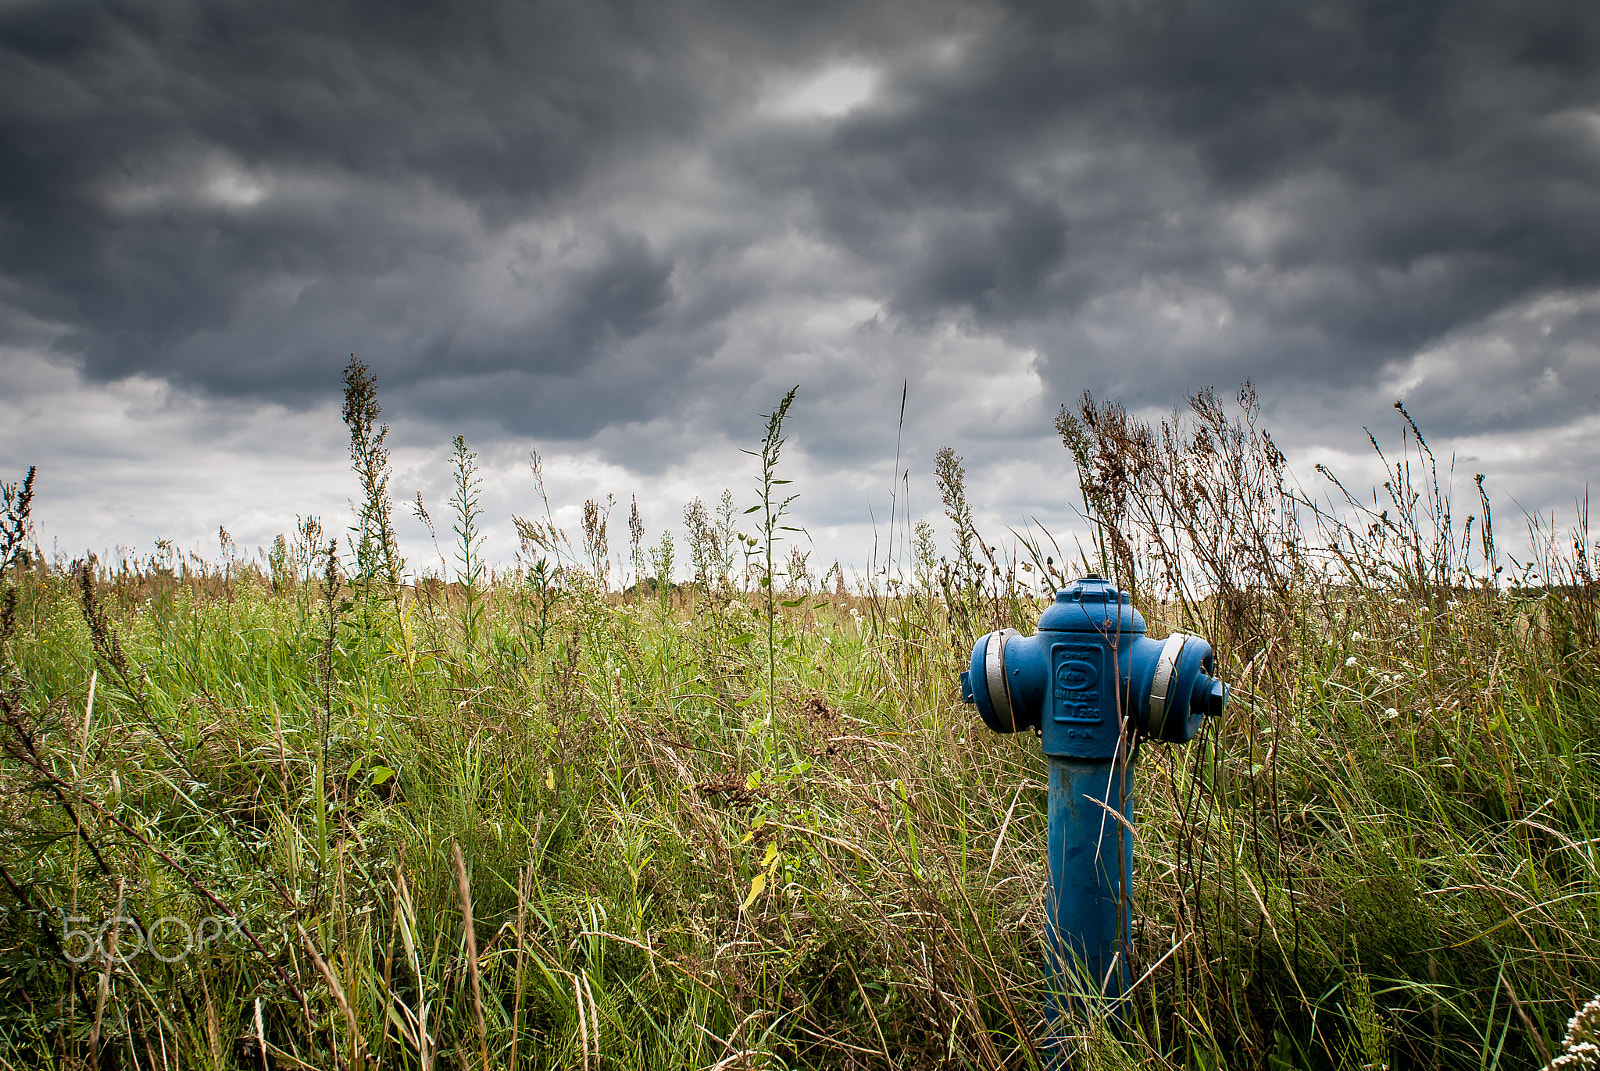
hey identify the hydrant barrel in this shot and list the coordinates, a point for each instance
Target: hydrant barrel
(1088, 923)
(1092, 684)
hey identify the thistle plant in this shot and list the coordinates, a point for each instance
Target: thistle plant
(772, 510)
(16, 505)
(952, 481)
(702, 543)
(712, 541)
(469, 537)
(278, 563)
(727, 522)
(306, 549)
(376, 548)
(636, 547)
(542, 589)
(661, 562)
(596, 542)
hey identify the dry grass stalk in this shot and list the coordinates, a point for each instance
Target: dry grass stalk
(105, 981)
(464, 888)
(338, 994)
(524, 881)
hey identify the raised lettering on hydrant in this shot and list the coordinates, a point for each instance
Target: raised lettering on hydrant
(1092, 684)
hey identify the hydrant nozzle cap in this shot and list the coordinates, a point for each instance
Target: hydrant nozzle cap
(1216, 698)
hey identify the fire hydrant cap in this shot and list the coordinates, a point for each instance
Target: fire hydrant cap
(1092, 604)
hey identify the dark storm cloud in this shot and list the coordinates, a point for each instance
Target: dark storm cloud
(170, 175)
(555, 217)
(489, 101)
(1150, 192)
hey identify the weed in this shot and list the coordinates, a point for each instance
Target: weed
(469, 538)
(636, 547)
(375, 547)
(661, 565)
(952, 481)
(596, 544)
(772, 509)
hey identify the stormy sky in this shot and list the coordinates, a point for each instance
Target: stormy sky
(618, 232)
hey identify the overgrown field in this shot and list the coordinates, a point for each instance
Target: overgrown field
(315, 812)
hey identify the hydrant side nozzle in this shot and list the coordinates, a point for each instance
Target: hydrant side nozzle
(988, 684)
(1183, 692)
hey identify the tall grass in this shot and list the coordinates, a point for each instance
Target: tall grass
(574, 843)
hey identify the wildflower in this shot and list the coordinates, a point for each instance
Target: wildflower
(1348, 662)
(1391, 713)
(1580, 1050)
(1356, 637)
(1583, 1054)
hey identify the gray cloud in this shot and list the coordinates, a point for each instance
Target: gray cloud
(1331, 187)
(608, 225)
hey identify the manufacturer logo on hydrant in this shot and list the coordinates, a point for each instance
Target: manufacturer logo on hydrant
(1076, 676)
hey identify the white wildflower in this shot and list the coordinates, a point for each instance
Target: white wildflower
(1585, 1054)
(1585, 1023)
(1580, 1049)
(1348, 662)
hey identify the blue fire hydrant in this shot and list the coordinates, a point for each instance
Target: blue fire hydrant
(1092, 684)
